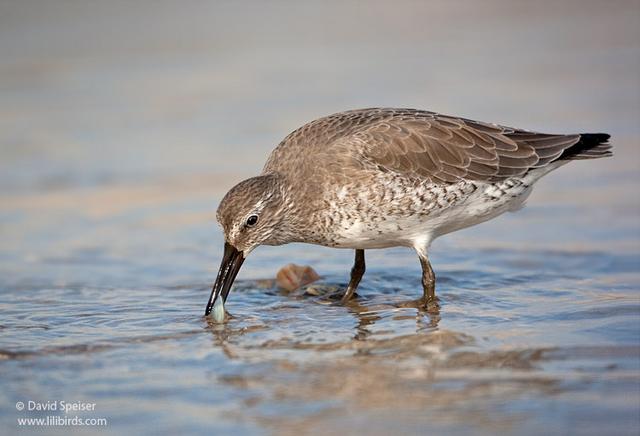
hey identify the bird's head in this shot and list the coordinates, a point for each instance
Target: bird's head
(251, 214)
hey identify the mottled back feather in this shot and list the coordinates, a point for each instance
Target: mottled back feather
(427, 145)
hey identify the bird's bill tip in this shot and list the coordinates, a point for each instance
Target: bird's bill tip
(232, 260)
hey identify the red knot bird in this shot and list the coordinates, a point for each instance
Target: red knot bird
(379, 178)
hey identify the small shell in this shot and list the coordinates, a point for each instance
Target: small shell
(292, 276)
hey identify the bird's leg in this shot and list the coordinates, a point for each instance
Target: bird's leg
(356, 274)
(428, 282)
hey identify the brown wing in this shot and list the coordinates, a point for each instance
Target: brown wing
(444, 148)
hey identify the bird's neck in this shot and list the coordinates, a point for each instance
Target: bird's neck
(297, 207)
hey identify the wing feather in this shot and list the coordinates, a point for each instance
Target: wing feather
(423, 145)
(446, 149)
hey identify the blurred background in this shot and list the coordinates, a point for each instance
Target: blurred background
(107, 106)
(112, 108)
(123, 123)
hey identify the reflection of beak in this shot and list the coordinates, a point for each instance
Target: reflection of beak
(231, 263)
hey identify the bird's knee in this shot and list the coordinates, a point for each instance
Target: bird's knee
(358, 270)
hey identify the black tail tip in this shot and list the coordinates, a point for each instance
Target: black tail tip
(590, 146)
(591, 139)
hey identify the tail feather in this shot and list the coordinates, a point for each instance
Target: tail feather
(590, 146)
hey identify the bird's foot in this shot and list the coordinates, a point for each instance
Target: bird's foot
(431, 305)
(347, 297)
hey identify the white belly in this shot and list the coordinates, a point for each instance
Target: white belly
(437, 218)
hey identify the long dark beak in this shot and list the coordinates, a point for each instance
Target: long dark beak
(231, 263)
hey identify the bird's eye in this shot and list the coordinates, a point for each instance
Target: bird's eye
(252, 220)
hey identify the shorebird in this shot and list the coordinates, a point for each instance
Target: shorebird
(381, 177)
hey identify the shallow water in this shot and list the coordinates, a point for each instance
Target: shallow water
(116, 148)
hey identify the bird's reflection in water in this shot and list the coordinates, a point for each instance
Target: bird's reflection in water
(368, 314)
(418, 369)
(222, 332)
(364, 315)
(367, 311)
